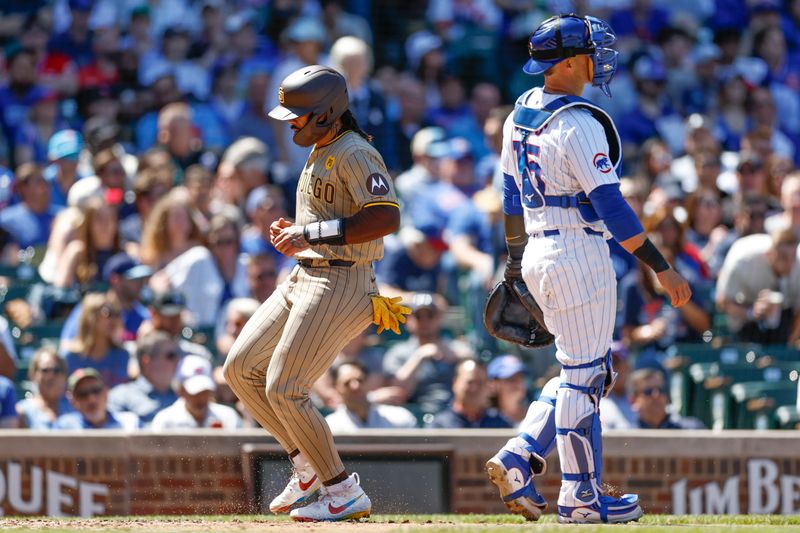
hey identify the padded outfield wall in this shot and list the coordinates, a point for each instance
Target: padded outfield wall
(214, 472)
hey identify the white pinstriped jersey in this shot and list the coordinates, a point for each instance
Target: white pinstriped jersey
(566, 156)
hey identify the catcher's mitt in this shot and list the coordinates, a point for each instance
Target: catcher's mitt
(511, 314)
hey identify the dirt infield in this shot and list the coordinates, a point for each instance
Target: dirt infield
(201, 525)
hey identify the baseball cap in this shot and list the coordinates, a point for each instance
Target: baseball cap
(306, 29)
(458, 148)
(81, 5)
(420, 43)
(505, 366)
(169, 303)
(259, 196)
(237, 21)
(649, 68)
(425, 138)
(194, 375)
(64, 144)
(81, 374)
(422, 300)
(125, 266)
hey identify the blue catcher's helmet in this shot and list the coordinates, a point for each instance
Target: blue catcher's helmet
(564, 36)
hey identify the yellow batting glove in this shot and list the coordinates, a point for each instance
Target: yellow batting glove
(387, 313)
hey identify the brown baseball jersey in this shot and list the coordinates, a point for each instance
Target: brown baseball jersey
(296, 334)
(339, 179)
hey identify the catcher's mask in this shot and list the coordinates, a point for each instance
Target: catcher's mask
(317, 91)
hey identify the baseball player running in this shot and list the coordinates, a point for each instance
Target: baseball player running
(559, 159)
(346, 203)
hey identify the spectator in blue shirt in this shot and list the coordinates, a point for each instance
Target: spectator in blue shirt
(412, 260)
(29, 221)
(76, 42)
(48, 372)
(19, 94)
(470, 400)
(126, 279)
(8, 401)
(97, 345)
(158, 355)
(89, 396)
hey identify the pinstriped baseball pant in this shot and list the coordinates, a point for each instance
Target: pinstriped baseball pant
(571, 277)
(289, 342)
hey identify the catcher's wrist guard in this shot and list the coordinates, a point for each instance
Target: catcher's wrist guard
(511, 314)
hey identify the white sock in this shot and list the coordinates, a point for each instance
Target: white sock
(299, 461)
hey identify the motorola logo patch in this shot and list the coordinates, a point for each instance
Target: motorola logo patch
(377, 184)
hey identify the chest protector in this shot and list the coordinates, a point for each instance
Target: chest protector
(528, 120)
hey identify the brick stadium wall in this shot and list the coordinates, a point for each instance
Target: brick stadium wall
(202, 473)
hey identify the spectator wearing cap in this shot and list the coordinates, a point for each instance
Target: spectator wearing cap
(423, 365)
(88, 394)
(96, 241)
(48, 372)
(29, 222)
(98, 344)
(196, 408)
(426, 57)
(304, 40)
(265, 205)
(701, 96)
(166, 311)
(616, 411)
(243, 168)
(469, 408)
(210, 277)
(32, 135)
(758, 288)
(353, 58)
(509, 389)
(125, 278)
(649, 400)
(157, 354)
(356, 410)
(19, 93)
(653, 115)
(749, 214)
(63, 150)
(76, 42)
(412, 261)
(426, 150)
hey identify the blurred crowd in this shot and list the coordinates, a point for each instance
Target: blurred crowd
(139, 174)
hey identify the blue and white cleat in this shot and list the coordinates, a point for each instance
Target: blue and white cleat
(608, 510)
(511, 474)
(303, 484)
(343, 501)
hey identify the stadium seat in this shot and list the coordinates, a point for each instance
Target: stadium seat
(681, 356)
(787, 417)
(752, 404)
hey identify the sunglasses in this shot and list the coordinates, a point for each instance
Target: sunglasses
(51, 370)
(85, 393)
(650, 391)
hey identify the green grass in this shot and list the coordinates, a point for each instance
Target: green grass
(399, 523)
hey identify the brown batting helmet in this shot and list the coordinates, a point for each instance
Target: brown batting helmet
(314, 89)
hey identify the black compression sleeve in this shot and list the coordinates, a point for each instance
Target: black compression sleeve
(648, 254)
